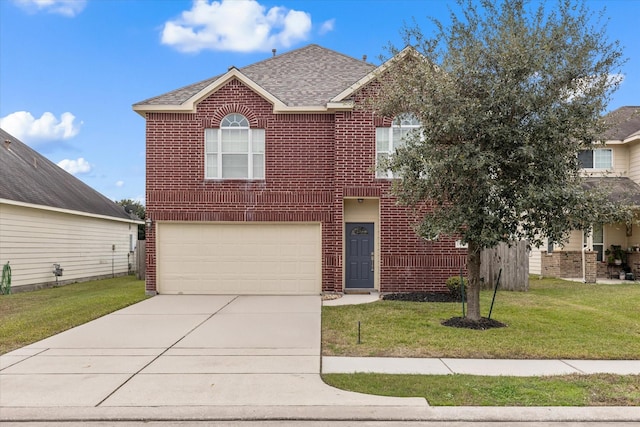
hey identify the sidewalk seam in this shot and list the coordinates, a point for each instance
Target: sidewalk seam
(447, 366)
(572, 367)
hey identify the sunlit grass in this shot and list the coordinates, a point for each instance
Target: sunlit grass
(28, 317)
(470, 390)
(555, 319)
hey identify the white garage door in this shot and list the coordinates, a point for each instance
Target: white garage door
(239, 258)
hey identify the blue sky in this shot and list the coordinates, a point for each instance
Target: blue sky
(71, 69)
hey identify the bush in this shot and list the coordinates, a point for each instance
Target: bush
(454, 285)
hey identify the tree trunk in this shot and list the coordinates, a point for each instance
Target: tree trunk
(473, 287)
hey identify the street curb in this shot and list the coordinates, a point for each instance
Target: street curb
(324, 413)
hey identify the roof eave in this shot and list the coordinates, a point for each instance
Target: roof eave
(189, 106)
(70, 211)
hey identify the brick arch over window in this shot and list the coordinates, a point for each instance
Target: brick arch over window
(223, 111)
(382, 122)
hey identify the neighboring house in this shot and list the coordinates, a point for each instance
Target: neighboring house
(48, 216)
(263, 180)
(614, 166)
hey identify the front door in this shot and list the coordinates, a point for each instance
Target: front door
(359, 255)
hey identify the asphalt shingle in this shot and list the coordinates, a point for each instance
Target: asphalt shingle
(309, 76)
(624, 122)
(28, 177)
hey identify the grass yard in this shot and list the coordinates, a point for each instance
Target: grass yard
(555, 319)
(470, 390)
(28, 317)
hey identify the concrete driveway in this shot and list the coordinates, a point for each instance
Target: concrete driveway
(182, 351)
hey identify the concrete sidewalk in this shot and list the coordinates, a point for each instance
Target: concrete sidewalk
(491, 367)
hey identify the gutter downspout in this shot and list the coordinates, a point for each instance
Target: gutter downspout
(584, 264)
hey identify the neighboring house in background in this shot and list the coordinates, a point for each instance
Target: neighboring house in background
(263, 180)
(614, 166)
(47, 216)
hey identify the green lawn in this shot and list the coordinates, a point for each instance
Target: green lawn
(555, 319)
(28, 317)
(470, 390)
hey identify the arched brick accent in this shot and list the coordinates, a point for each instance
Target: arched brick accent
(226, 109)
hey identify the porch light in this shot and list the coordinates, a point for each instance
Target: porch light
(148, 222)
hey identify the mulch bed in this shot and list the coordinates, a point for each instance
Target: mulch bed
(481, 325)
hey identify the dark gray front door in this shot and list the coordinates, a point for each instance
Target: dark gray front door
(359, 254)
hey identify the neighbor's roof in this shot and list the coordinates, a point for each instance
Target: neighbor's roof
(624, 124)
(620, 189)
(309, 76)
(28, 177)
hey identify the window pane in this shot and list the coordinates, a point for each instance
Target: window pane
(212, 166)
(382, 139)
(397, 136)
(235, 166)
(599, 250)
(235, 140)
(598, 235)
(585, 158)
(380, 158)
(211, 140)
(257, 140)
(406, 119)
(602, 159)
(258, 166)
(400, 141)
(234, 120)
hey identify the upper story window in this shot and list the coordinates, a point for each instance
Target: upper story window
(601, 158)
(390, 139)
(234, 151)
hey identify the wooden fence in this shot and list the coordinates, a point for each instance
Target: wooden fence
(514, 261)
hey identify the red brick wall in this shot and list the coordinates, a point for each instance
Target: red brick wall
(312, 161)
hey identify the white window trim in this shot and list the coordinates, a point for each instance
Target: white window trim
(219, 154)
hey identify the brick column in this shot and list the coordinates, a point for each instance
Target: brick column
(550, 264)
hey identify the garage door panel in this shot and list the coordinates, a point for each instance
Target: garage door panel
(224, 258)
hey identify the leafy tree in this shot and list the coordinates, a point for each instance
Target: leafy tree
(138, 209)
(507, 95)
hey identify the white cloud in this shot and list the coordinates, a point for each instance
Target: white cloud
(75, 167)
(119, 184)
(69, 8)
(28, 129)
(231, 25)
(327, 26)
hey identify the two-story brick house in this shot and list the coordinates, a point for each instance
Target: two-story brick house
(263, 180)
(614, 165)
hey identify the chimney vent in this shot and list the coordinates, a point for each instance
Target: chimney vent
(273, 51)
(364, 58)
(7, 143)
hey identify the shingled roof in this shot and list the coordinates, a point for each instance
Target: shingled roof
(28, 177)
(623, 123)
(619, 189)
(309, 76)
